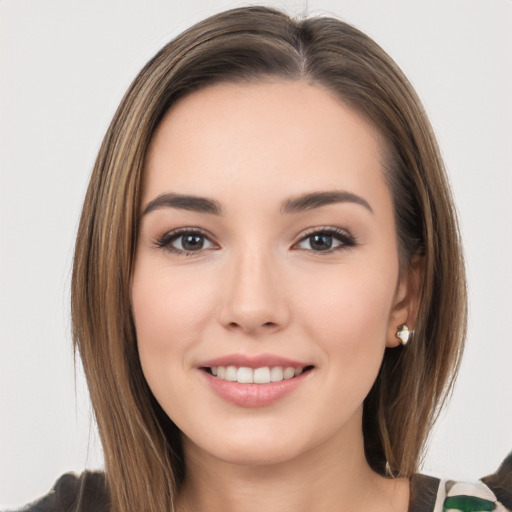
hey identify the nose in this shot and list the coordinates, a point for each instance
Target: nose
(254, 299)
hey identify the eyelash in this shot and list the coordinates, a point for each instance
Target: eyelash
(347, 240)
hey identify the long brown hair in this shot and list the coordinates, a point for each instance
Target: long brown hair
(142, 447)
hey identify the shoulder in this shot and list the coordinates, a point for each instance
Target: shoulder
(493, 492)
(501, 482)
(86, 492)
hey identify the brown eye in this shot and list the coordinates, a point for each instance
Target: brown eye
(320, 242)
(327, 240)
(191, 242)
(185, 242)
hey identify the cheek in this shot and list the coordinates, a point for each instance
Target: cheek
(347, 313)
(169, 311)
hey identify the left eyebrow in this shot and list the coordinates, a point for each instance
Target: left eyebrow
(317, 199)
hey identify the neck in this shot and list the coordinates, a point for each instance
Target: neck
(332, 476)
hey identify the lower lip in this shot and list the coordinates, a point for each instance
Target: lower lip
(254, 395)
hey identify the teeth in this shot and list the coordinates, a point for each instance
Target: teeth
(231, 373)
(245, 375)
(263, 375)
(288, 373)
(276, 374)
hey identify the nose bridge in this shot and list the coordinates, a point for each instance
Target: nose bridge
(253, 298)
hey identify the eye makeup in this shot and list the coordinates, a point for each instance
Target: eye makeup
(194, 241)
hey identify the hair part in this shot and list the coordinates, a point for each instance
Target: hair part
(142, 447)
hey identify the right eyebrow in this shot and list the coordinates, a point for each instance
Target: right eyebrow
(184, 202)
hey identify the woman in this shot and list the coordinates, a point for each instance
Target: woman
(268, 288)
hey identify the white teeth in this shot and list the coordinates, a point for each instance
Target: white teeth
(262, 375)
(276, 374)
(231, 373)
(245, 375)
(289, 373)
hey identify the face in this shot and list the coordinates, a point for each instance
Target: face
(266, 255)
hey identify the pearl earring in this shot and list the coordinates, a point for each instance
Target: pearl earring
(403, 334)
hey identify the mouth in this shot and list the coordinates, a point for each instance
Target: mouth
(255, 380)
(261, 375)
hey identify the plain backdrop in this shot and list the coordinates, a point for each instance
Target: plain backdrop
(64, 67)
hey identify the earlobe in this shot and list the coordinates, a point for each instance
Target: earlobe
(402, 319)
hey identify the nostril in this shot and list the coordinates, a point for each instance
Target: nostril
(252, 326)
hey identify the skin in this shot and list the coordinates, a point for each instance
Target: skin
(259, 285)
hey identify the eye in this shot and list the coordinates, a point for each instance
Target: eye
(326, 240)
(186, 242)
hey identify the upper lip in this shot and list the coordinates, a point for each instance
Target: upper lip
(253, 361)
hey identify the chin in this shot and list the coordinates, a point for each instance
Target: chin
(256, 454)
(258, 443)
(250, 444)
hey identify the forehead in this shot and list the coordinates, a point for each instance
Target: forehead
(265, 137)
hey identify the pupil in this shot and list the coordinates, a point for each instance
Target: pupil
(191, 242)
(321, 242)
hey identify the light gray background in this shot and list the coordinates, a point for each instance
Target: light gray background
(65, 65)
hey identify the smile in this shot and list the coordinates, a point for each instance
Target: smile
(263, 375)
(254, 380)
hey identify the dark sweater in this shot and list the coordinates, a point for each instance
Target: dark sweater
(88, 492)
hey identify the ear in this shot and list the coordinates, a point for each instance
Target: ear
(406, 301)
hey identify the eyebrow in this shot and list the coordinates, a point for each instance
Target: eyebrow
(184, 202)
(313, 200)
(303, 202)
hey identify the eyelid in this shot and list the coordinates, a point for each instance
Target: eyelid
(164, 241)
(324, 229)
(347, 239)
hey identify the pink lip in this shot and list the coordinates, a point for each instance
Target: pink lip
(253, 395)
(258, 361)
